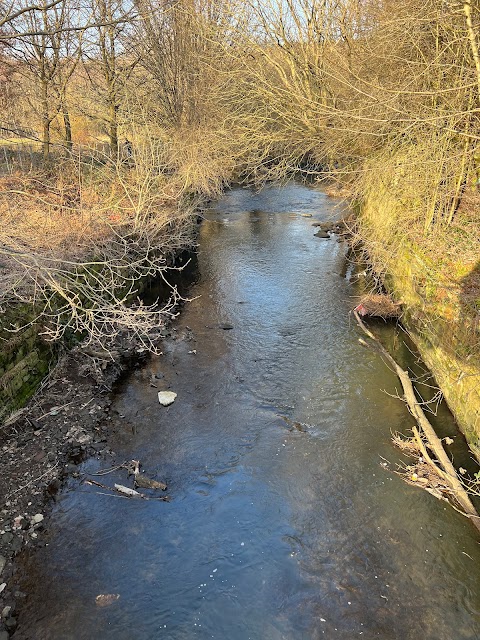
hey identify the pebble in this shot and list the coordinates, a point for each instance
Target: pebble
(166, 398)
(3, 562)
(37, 518)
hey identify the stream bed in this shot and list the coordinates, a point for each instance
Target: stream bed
(283, 524)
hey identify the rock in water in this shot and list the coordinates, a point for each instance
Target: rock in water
(322, 234)
(166, 398)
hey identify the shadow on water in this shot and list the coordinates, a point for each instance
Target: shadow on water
(282, 524)
(182, 275)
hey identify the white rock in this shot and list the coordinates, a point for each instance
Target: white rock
(37, 518)
(166, 398)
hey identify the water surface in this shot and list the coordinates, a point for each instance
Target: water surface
(283, 524)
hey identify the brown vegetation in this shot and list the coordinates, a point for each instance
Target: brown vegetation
(119, 114)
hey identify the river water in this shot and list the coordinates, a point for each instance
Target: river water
(283, 524)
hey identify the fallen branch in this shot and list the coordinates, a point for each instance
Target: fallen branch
(125, 492)
(444, 468)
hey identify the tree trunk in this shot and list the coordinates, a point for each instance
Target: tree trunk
(46, 136)
(68, 128)
(113, 127)
(45, 122)
(472, 36)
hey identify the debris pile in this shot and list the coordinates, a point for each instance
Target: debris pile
(378, 305)
(140, 480)
(422, 473)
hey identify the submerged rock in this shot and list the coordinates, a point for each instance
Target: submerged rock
(106, 599)
(322, 234)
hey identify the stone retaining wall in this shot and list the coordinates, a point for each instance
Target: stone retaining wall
(444, 329)
(25, 359)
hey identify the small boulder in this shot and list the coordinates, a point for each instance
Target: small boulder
(6, 612)
(166, 398)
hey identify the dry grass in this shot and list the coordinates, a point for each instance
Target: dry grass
(76, 240)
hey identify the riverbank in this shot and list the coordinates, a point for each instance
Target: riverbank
(68, 421)
(434, 275)
(79, 241)
(44, 439)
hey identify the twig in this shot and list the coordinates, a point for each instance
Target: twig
(32, 481)
(104, 472)
(49, 413)
(141, 495)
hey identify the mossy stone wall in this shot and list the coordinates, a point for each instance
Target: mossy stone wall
(443, 328)
(25, 359)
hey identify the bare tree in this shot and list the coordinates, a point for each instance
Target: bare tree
(109, 60)
(48, 57)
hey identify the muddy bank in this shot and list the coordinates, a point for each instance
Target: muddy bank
(66, 422)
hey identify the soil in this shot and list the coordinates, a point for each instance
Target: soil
(67, 421)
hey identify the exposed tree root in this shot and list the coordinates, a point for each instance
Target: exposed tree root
(436, 475)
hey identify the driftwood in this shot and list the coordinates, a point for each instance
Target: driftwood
(444, 468)
(144, 482)
(125, 492)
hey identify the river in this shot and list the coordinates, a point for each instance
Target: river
(283, 524)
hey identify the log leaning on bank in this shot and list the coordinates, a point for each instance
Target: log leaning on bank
(444, 468)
